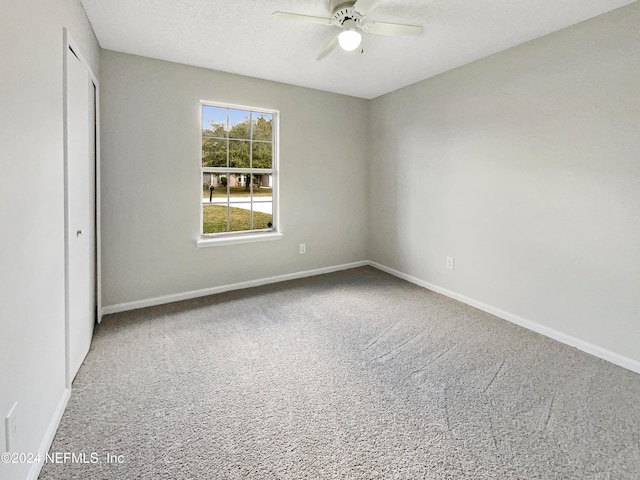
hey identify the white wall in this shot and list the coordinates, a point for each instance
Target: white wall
(523, 166)
(32, 213)
(151, 184)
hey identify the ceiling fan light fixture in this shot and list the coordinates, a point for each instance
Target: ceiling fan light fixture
(349, 39)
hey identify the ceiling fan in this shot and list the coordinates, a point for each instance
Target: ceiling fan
(350, 17)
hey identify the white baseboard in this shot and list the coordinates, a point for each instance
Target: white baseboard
(48, 436)
(123, 307)
(587, 347)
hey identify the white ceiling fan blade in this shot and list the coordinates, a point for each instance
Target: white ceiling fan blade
(392, 29)
(363, 7)
(301, 18)
(329, 48)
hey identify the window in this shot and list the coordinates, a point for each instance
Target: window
(238, 170)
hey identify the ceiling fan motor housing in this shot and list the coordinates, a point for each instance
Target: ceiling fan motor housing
(342, 12)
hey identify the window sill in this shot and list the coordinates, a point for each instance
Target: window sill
(205, 242)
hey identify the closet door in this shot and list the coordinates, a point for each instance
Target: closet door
(81, 212)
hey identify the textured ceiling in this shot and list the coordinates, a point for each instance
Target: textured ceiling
(240, 36)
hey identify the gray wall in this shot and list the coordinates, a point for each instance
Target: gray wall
(32, 212)
(524, 167)
(151, 185)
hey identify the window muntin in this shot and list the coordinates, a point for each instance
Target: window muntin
(238, 170)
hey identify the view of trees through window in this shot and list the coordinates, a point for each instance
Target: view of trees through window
(237, 170)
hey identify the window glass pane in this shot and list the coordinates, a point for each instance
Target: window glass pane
(213, 189)
(262, 155)
(262, 215)
(214, 152)
(208, 185)
(239, 217)
(262, 126)
(239, 124)
(238, 153)
(262, 186)
(214, 218)
(238, 186)
(214, 121)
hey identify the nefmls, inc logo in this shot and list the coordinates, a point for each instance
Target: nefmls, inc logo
(73, 457)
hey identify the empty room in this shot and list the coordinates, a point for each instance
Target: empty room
(361, 239)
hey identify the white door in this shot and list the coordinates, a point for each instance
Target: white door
(81, 208)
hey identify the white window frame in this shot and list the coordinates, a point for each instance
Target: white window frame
(245, 236)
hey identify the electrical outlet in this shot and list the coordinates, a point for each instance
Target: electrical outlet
(450, 263)
(303, 248)
(11, 428)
